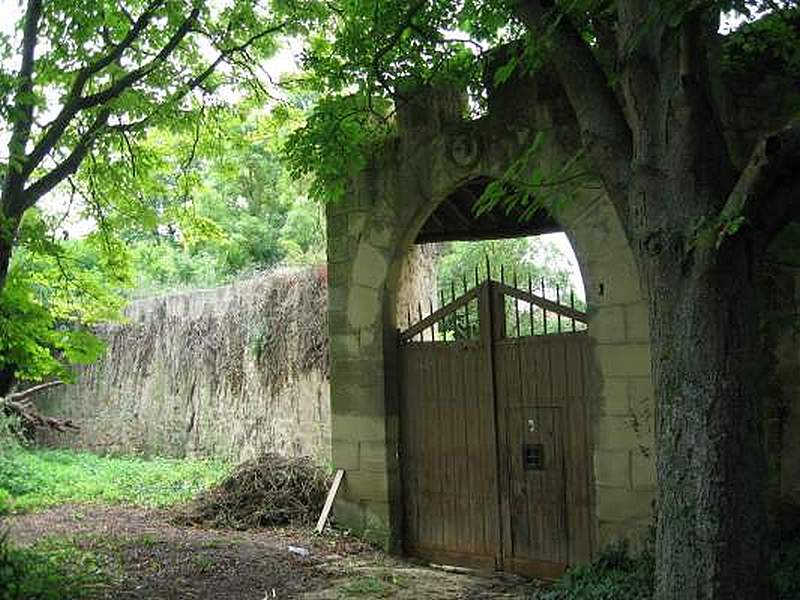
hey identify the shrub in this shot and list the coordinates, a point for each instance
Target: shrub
(614, 575)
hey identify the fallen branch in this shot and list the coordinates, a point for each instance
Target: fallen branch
(19, 404)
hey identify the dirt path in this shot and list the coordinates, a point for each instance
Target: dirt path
(151, 558)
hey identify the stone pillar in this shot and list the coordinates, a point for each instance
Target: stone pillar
(358, 258)
(623, 415)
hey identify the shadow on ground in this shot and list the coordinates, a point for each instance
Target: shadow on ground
(146, 556)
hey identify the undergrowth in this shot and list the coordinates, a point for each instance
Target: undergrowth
(616, 574)
(51, 569)
(33, 479)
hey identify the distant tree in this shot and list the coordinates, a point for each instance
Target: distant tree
(246, 212)
(81, 84)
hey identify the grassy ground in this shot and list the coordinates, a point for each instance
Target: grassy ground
(33, 479)
(51, 569)
(69, 566)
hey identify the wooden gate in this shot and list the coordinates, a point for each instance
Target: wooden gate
(494, 452)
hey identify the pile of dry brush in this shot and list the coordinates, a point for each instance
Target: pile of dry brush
(266, 491)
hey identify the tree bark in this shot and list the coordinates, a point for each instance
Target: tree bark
(5, 260)
(711, 461)
(6, 379)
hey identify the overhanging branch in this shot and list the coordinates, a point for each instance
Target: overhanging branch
(766, 194)
(70, 164)
(76, 103)
(604, 130)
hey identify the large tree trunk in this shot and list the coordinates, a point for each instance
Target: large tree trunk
(5, 261)
(712, 468)
(6, 379)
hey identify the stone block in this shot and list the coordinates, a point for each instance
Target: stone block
(358, 399)
(358, 428)
(338, 323)
(356, 222)
(337, 226)
(637, 322)
(382, 235)
(349, 513)
(377, 524)
(617, 504)
(373, 456)
(614, 278)
(612, 468)
(641, 393)
(345, 345)
(623, 360)
(608, 324)
(339, 275)
(337, 298)
(345, 454)
(366, 485)
(614, 400)
(363, 306)
(634, 531)
(340, 249)
(370, 266)
(621, 433)
(643, 471)
(357, 371)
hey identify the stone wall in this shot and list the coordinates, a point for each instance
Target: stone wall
(781, 284)
(229, 372)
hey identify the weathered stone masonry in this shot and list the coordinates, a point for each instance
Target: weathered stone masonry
(370, 234)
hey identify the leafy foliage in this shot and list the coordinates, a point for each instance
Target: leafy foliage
(540, 259)
(51, 569)
(109, 109)
(614, 575)
(55, 293)
(619, 574)
(246, 211)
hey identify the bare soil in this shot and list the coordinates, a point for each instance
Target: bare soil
(149, 557)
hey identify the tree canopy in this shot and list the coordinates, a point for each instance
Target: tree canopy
(135, 117)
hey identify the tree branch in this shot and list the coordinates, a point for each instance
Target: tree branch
(23, 108)
(20, 405)
(76, 102)
(136, 75)
(24, 394)
(70, 164)
(604, 130)
(766, 194)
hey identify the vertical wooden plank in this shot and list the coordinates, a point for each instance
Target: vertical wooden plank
(488, 307)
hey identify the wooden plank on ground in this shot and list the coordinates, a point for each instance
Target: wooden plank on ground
(326, 509)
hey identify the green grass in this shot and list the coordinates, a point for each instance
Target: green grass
(371, 586)
(34, 479)
(52, 569)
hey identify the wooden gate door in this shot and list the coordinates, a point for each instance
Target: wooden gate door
(448, 440)
(494, 456)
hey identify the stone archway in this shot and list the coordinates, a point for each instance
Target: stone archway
(369, 235)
